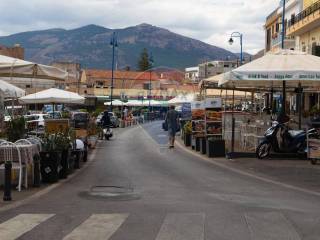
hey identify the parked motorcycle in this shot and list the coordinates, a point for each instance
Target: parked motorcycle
(291, 141)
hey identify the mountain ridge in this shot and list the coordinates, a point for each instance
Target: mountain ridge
(90, 46)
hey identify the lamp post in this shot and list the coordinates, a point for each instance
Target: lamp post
(150, 86)
(114, 44)
(239, 35)
(234, 35)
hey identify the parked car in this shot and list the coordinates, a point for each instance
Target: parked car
(36, 119)
(113, 118)
(55, 114)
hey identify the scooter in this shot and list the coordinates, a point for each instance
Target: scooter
(292, 141)
(107, 132)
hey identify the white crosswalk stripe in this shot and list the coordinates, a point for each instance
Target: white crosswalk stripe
(270, 226)
(21, 224)
(182, 226)
(97, 226)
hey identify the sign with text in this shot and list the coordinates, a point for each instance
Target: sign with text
(213, 103)
(186, 111)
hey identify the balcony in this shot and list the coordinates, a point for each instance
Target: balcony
(289, 43)
(305, 21)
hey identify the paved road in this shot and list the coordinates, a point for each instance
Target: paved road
(165, 195)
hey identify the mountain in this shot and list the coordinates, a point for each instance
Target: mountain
(90, 46)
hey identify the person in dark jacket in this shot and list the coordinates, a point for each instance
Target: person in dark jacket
(172, 120)
(105, 120)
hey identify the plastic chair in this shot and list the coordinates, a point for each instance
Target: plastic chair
(11, 153)
(37, 141)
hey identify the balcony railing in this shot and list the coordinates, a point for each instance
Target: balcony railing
(305, 13)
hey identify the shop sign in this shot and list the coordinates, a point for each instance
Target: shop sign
(213, 103)
(197, 105)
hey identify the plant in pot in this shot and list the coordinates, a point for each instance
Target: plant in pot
(187, 133)
(63, 144)
(50, 159)
(93, 132)
(16, 129)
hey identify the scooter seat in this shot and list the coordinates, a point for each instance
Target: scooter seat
(294, 133)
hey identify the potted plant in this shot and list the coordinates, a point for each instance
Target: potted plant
(50, 159)
(63, 145)
(92, 134)
(16, 129)
(187, 133)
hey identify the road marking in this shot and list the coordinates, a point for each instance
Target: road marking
(19, 225)
(270, 226)
(98, 226)
(185, 226)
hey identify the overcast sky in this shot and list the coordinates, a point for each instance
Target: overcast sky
(211, 21)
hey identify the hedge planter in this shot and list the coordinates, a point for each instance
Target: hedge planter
(65, 161)
(187, 139)
(50, 165)
(203, 146)
(216, 148)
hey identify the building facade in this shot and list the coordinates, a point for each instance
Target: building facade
(133, 85)
(192, 74)
(16, 51)
(72, 82)
(212, 68)
(273, 26)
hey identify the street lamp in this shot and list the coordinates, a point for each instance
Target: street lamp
(231, 41)
(150, 86)
(114, 44)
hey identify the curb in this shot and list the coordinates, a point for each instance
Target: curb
(52, 186)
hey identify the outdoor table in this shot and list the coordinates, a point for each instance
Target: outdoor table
(27, 152)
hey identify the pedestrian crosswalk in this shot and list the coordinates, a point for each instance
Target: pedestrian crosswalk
(173, 226)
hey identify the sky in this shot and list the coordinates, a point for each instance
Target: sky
(211, 21)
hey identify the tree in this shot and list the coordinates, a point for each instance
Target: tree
(144, 61)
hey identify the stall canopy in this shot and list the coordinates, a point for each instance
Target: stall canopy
(115, 103)
(269, 71)
(13, 67)
(182, 98)
(52, 95)
(10, 91)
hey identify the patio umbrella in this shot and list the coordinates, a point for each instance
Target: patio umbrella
(115, 103)
(272, 69)
(11, 91)
(182, 98)
(17, 68)
(285, 68)
(53, 96)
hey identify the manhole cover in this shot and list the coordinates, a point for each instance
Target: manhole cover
(116, 193)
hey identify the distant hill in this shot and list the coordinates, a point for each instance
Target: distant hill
(90, 46)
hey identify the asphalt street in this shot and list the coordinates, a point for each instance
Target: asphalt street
(137, 189)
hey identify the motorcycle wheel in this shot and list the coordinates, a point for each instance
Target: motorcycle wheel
(263, 150)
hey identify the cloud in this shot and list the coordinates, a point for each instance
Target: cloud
(211, 21)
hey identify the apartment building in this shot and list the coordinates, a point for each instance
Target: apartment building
(212, 68)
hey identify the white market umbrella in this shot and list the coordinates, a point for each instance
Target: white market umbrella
(11, 91)
(272, 69)
(53, 96)
(182, 98)
(17, 68)
(114, 103)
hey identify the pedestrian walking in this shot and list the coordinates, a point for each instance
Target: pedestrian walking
(172, 121)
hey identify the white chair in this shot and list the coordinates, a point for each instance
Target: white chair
(12, 154)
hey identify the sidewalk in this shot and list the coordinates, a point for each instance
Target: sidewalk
(298, 173)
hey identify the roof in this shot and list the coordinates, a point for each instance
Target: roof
(123, 75)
